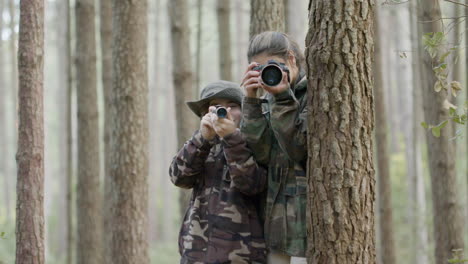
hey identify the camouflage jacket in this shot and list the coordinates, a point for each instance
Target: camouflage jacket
(222, 223)
(276, 130)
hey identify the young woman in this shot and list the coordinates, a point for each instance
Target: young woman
(275, 129)
(222, 224)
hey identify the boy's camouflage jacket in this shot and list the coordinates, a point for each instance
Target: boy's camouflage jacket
(222, 222)
(276, 130)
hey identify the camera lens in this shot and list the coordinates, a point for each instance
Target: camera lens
(221, 112)
(272, 75)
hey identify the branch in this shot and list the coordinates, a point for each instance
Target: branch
(455, 2)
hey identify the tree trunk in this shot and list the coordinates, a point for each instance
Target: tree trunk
(296, 22)
(266, 15)
(341, 174)
(387, 242)
(129, 151)
(417, 203)
(89, 241)
(30, 156)
(199, 44)
(70, 245)
(105, 7)
(182, 73)
(448, 224)
(5, 126)
(466, 99)
(241, 41)
(223, 11)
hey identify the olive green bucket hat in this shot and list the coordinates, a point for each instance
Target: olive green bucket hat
(216, 90)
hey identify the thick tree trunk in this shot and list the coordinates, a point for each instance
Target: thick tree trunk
(129, 151)
(182, 73)
(387, 242)
(89, 240)
(30, 155)
(417, 203)
(223, 11)
(341, 173)
(448, 224)
(266, 15)
(105, 8)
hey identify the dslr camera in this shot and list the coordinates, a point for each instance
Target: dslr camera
(272, 72)
(220, 111)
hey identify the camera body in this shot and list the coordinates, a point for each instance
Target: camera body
(272, 72)
(220, 111)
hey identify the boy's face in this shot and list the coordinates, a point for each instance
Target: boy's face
(235, 108)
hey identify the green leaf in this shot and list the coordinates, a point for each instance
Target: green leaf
(452, 111)
(424, 124)
(436, 130)
(438, 86)
(444, 56)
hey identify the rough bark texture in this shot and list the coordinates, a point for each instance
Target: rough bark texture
(417, 203)
(339, 51)
(182, 73)
(384, 191)
(448, 224)
(30, 155)
(225, 61)
(105, 8)
(89, 241)
(266, 15)
(129, 151)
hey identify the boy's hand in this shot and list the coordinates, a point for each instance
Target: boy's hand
(206, 127)
(223, 126)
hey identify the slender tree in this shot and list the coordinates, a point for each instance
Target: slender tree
(199, 44)
(182, 76)
(419, 234)
(387, 242)
(448, 224)
(224, 32)
(129, 151)
(339, 48)
(30, 155)
(105, 7)
(266, 15)
(89, 241)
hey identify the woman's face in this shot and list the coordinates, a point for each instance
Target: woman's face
(263, 59)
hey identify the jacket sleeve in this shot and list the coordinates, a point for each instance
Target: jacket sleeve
(246, 175)
(188, 164)
(288, 120)
(256, 129)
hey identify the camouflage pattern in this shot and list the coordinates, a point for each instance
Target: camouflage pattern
(222, 223)
(276, 130)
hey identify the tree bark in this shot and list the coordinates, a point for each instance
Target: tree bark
(341, 174)
(129, 151)
(225, 61)
(387, 242)
(182, 74)
(266, 15)
(30, 155)
(199, 44)
(448, 224)
(105, 8)
(89, 240)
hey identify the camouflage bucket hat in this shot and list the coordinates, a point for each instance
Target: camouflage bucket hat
(216, 90)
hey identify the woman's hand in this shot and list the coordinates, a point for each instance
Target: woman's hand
(223, 126)
(251, 82)
(206, 127)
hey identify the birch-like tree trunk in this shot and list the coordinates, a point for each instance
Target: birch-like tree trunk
(223, 11)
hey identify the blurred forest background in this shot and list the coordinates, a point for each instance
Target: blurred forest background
(403, 105)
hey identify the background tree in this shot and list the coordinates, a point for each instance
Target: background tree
(223, 11)
(266, 15)
(89, 236)
(341, 176)
(182, 76)
(387, 243)
(129, 152)
(448, 224)
(30, 155)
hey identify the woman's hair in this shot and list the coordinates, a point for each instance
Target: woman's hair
(275, 44)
